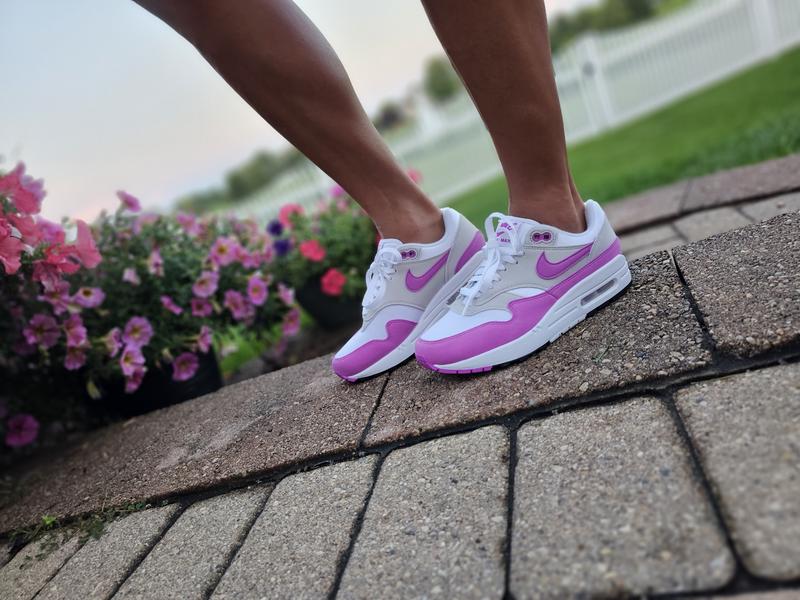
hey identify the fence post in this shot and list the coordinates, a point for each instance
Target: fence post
(764, 17)
(592, 75)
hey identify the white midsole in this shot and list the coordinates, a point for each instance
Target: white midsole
(435, 309)
(572, 308)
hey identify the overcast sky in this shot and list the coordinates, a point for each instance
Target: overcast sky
(98, 95)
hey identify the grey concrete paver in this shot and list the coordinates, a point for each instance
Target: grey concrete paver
(649, 332)
(668, 244)
(193, 554)
(102, 564)
(701, 225)
(647, 207)
(747, 285)
(761, 210)
(751, 181)
(647, 237)
(606, 504)
(34, 565)
(747, 430)
(295, 545)
(436, 523)
(245, 430)
(772, 595)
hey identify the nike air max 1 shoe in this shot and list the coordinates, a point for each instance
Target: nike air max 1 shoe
(534, 283)
(408, 286)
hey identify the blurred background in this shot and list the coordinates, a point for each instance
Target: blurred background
(98, 95)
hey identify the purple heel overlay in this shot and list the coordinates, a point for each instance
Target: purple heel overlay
(364, 356)
(474, 246)
(525, 315)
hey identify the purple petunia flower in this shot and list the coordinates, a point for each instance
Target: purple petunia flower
(201, 307)
(134, 380)
(257, 290)
(89, 297)
(75, 359)
(170, 305)
(130, 275)
(21, 430)
(75, 331)
(275, 227)
(131, 359)
(113, 341)
(42, 330)
(206, 284)
(184, 366)
(138, 332)
(282, 246)
(204, 339)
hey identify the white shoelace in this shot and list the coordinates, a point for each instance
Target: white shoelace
(379, 272)
(497, 256)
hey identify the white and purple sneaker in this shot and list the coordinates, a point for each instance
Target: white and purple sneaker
(535, 283)
(408, 286)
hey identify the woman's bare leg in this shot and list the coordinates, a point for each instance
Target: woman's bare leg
(278, 61)
(502, 52)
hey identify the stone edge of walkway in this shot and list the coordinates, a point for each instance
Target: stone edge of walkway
(729, 186)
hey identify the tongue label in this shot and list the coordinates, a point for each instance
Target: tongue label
(502, 232)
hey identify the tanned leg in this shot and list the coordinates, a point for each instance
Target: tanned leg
(280, 63)
(502, 53)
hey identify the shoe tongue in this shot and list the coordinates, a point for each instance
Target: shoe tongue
(507, 225)
(389, 243)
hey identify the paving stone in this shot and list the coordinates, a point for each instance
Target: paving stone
(102, 564)
(436, 523)
(35, 564)
(701, 225)
(606, 504)
(772, 207)
(294, 547)
(647, 237)
(668, 244)
(647, 333)
(244, 430)
(775, 595)
(747, 428)
(5, 554)
(193, 554)
(746, 284)
(647, 207)
(751, 181)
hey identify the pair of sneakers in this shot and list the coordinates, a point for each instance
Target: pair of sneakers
(464, 304)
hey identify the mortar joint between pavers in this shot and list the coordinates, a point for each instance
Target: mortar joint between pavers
(375, 406)
(513, 459)
(344, 558)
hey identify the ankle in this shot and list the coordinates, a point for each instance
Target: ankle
(419, 227)
(565, 215)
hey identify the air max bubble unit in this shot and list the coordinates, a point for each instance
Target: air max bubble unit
(534, 283)
(408, 286)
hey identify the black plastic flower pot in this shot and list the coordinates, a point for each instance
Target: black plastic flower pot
(329, 312)
(158, 390)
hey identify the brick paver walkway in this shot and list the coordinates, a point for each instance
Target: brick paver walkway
(653, 450)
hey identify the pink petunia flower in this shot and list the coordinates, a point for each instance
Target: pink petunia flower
(184, 366)
(85, 246)
(28, 230)
(21, 430)
(189, 224)
(75, 359)
(89, 297)
(414, 175)
(42, 330)
(25, 192)
(137, 333)
(50, 232)
(129, 201)
(201, 307)
(240, 308)
(204, 339)
(312, 250)
(56, 294)
(134, 380)
(337, 191)
(155, 264)
(332, 282)
(170, 305)
(75, 332)
(291, 322)
(257, 290)
(113, 341)
(286, 294)
(223, 251)
(11, 248)
(249, 260)
(129, 275)
(206, 284)
(286, 212)
(131, 359)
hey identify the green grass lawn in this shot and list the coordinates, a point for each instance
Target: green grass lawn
(751, 117)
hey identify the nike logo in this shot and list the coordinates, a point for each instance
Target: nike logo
(550, 270)
(415, 283)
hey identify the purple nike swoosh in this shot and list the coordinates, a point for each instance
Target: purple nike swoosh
(416, 283)
(550, 270)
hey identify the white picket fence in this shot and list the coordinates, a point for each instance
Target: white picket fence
(603, 80)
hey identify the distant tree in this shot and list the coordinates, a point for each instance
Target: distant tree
(389, 116)
(441, 81)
